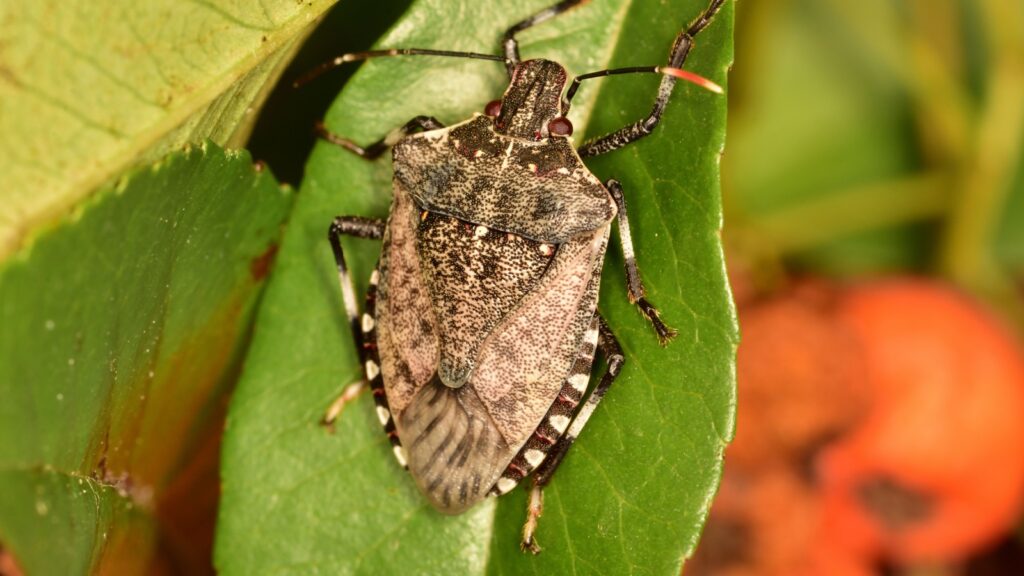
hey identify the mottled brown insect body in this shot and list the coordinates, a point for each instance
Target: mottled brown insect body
(481, 312)
(481, 326)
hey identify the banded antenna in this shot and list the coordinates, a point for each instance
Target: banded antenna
(663, 70)
(358, 56)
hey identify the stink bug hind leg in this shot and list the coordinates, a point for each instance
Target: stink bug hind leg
(534, 510)
(614, 359)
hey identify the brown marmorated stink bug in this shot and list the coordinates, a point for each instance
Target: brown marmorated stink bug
(481, 321)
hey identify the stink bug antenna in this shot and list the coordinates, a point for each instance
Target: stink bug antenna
(358, 56)
(663, 70)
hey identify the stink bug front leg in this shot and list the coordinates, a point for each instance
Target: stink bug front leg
(509, 43)
(373, 151)
(677, 57)
(634, 285)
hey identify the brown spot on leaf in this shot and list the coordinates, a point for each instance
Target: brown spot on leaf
(261, 265)
(161, 450)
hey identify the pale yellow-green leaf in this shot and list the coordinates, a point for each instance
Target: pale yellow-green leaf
(88, 89)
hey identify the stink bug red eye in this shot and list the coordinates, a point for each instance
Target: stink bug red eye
(485, 295)
(493, 108)
(560, 127)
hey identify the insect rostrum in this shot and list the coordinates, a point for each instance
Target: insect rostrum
(480, 325)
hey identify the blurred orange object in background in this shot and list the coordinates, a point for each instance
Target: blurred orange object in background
(934, 473)
(878, 424)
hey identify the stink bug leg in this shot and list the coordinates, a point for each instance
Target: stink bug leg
(634, 286)
(614, 360)
(677, 57)
(511, 45)
(363, 329)
(481, 325)
(373, 151)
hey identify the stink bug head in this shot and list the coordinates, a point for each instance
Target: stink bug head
(532, 99)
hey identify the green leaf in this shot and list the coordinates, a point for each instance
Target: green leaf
(633, 493)
(120, 335)
(89, 89)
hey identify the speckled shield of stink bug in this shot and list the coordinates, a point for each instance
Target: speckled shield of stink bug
(480, 325)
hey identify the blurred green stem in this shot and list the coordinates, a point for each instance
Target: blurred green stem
(988, 167)
(840, 214)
